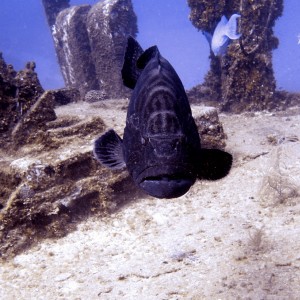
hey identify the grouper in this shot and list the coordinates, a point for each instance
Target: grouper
(161, 146)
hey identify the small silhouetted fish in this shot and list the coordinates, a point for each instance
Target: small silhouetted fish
(223, 33)
(161, 145)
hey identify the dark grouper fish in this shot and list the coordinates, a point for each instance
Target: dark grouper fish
(161, 145)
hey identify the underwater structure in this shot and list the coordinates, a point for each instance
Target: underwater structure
(19, 91)
(73, 49)
(90, 43)
(242, 79)
(47, 173)
(109, 24)
(52, 9)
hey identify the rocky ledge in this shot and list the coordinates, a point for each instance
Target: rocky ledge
(51, 180)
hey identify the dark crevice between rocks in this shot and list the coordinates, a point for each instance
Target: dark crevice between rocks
(78, 169)
(8, 183)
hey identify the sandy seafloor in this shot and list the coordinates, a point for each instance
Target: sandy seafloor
(236, 238)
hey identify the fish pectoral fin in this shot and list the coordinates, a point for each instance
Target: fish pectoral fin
(214, 164)
(147, 56)
(130, 71)
(231, 27)
(108, 149)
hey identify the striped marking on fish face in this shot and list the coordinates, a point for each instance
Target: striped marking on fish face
(159, 113)
(161, 125)
(160, 118)
(158, 105)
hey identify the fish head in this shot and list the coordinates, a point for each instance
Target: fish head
(219, 44)
(161, 143)
(160, 166)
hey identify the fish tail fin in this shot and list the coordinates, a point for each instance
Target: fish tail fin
(231, 27)
(214, 164)
(130, 71)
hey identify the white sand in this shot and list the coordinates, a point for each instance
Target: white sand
(237, 238)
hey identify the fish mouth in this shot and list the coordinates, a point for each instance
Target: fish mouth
(166, 185)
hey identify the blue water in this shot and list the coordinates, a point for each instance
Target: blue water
(25, 36)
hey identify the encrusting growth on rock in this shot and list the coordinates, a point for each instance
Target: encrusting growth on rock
(242, 79)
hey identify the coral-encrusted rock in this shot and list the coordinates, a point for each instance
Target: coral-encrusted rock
(28, 85)
(209, 127)
(73, 49)
(49, 184)
(95, 96)
(109, 24)
(90, 43)
(200, 93)
(34, 120)
(8, 102)
(243, 79)
(52, 9)
(65, 96)
(45, 194)
(18, 93)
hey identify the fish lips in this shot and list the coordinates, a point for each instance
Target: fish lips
(168, 181)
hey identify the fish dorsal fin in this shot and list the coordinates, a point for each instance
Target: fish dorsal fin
(223, 21)
(130, 72)
(108, 149)
(213, 164)
(147, 56)
(231, 27)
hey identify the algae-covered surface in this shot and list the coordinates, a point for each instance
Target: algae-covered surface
(236, 238)
(52, 180)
